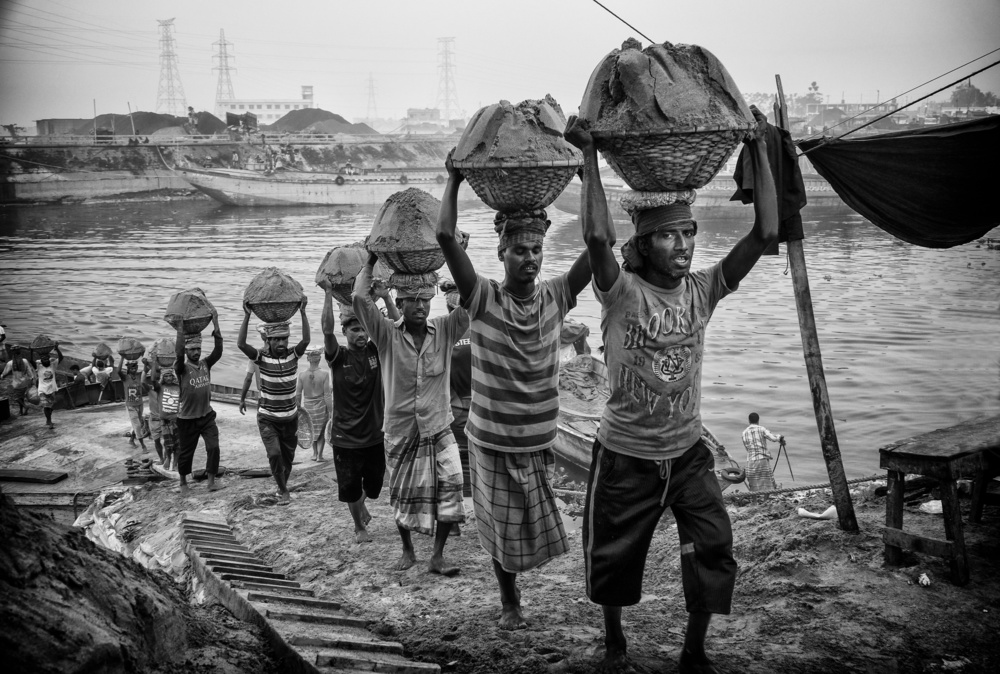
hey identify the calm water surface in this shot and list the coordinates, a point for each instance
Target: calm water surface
(909, 335)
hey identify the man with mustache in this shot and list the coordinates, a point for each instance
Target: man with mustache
(648, 455)
(425, 466)
(277, 413)
(516, 327)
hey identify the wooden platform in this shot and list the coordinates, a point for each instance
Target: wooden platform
(946, 454)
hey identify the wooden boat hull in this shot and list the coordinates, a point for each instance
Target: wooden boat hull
(236, 187)
(576, 432)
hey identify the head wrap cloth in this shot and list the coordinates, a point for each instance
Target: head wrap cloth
(275, 330)
(520, 227)
(652, 211)
(192, 340)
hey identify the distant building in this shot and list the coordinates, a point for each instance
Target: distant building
(268, 111)
(58, 127)
(427, 121)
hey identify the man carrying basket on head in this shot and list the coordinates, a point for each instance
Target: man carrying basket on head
(277, 413)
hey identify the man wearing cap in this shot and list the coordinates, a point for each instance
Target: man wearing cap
(312, 391)
(516, 328)
(356, 437)
(195, 416)
(425, 467)
(277, 413)
(648, 455)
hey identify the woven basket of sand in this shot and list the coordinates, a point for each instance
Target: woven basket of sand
(42, 345)
(403, 235)
(103, 351)
(190, 310)
(515, 157)
(163, 351)
(273, 296)
(665, 118)
(131, 348)
(342, 265)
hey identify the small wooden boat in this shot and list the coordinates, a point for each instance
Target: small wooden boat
(577, 430)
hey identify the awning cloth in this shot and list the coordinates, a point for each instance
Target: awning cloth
(935, 187)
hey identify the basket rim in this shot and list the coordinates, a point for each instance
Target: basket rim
(527, 163)
(272, 302)
(674, 131)
(396, 251)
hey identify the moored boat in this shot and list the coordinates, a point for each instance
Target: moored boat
(577, 428)
(240, 187)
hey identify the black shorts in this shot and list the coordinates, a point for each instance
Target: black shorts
(626, 498)
(360, 470)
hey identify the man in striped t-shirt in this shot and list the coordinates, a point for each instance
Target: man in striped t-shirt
(516, 329)
(277, 413)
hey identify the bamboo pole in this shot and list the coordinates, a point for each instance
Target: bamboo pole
(814, 365)
(130, 117)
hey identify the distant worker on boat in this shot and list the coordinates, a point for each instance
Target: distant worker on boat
(277, 413)
(649, 455)
(516, 327)
(195, 416)
(356, 438)
(760, 476)
(425, 469)
(101, 370)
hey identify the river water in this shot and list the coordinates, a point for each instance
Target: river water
(909, 335)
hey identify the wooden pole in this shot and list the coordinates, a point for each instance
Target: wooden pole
(95, 121)
(130, 117)
(814, 366)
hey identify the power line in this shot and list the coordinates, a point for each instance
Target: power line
(170, 94)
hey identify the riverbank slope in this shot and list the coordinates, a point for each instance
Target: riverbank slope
(808, 597)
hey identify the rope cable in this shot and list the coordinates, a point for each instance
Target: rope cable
(623, 21)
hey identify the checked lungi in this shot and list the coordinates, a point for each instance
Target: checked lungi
(425, 481)
(759, 475)
(516, 512)
(316, 410)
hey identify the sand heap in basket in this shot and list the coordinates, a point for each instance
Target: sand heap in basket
(515, 157)
(42, 344)
(103, 352)
(190, 310)
(403, 236)
(665, 118)
(341, 266)
(131, 348)
(163, 351)
(273, 296)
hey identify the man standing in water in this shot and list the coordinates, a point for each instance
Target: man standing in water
(277, 413)
(426, 470)
(356, 437)
(760, 477)
(648, 455)
(516, 329)
(312, 391)
(195, 416)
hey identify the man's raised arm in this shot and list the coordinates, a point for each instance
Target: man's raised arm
(461, 267)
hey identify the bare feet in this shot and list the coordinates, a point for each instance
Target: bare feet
(616, 661)
(438, 565)
(366, 516)
(694, 664)
(361, 536)
(284, 498)
(511, 618)
(183, 490)
(406, 561)
(216, 486)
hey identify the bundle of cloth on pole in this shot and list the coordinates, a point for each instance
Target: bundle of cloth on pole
(933, 187)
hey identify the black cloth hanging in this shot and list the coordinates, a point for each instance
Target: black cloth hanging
(935, 187)
(791, 191)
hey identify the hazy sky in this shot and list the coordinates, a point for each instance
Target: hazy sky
(57, 56)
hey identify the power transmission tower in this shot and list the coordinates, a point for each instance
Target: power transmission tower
(170, 96)
(224, 90)
(447, 99)
(372, 111)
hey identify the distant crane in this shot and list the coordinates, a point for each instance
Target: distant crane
(224, 90)
(170, 95)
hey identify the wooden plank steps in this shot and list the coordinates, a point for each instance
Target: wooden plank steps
(315, 633)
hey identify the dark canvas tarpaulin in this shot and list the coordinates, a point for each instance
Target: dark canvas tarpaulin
(935, 187)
